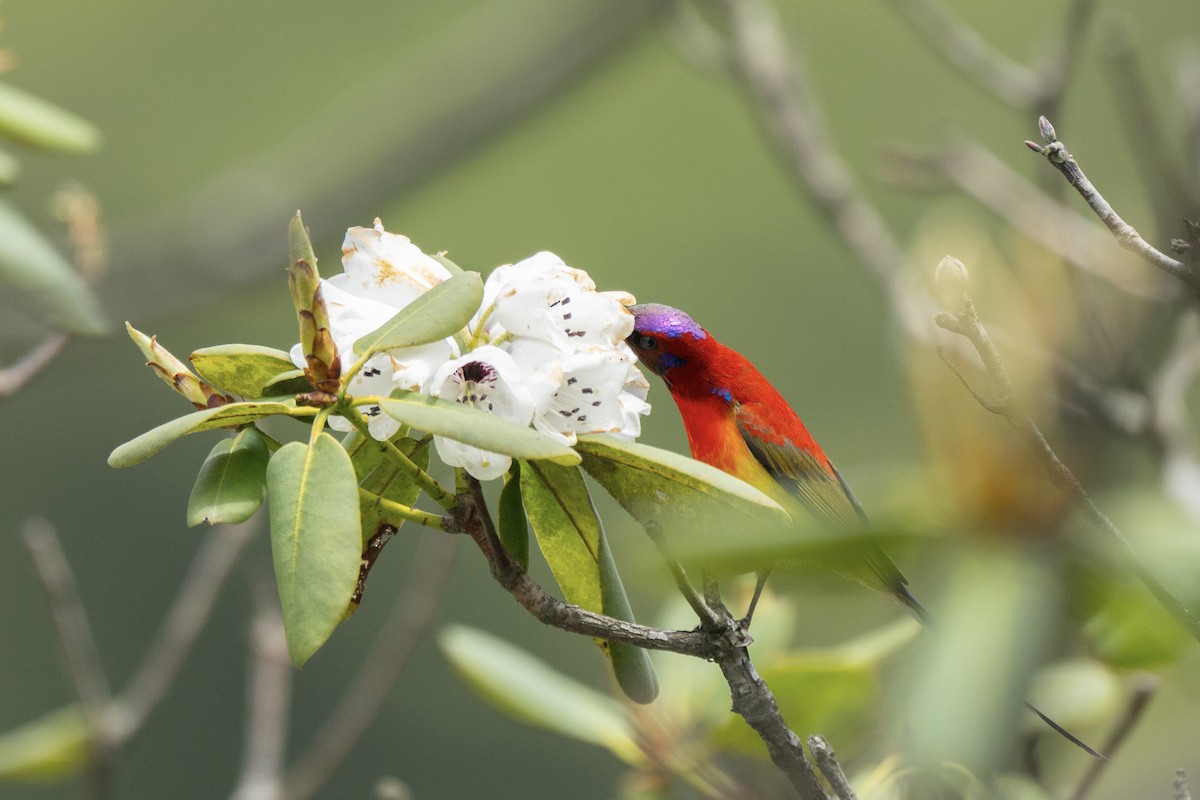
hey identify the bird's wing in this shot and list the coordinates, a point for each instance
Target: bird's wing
(815, 482)
(803, 473)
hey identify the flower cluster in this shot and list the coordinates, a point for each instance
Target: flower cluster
(545, 348)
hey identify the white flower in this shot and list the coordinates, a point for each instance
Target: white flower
(488, 379)
(588, 401)
(543, 298)
(384, 272)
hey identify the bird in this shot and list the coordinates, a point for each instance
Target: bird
(739, 423)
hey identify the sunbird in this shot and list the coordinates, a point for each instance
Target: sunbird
(739, 423)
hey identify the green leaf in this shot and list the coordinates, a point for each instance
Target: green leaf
(442, 311)
(475, 427)
(670, 492)
(1133, 631)
(994, 623)
(451, 267)
(292, 382)
(316, 539)
(42, 277)
(30, 120)
(243, 369)
(529, 690)
(391, 481)
(631, 664)
(512, 524)
(567, 530)
(52, 747)
(232, 481)
(572, 540)
(231, 415)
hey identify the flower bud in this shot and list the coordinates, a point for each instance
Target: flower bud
(950, 282)
(175, 373)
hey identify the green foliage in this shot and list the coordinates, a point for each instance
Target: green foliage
(232, 481)
(231, 415)
(529, 690)
(389, 481)
(42, 277)
(248, 370)
(512, 526)
(35, 122)
(474, 427)
(316, 539)
(53, 747)
(442, 311)
(668, 492)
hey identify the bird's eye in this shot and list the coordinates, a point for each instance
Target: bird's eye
(645, 342)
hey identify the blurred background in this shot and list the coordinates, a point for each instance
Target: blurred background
(604, 131)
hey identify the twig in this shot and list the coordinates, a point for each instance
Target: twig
(410, 619)
(828, 764)
(183, 622)
(682, 582)
(1181, 787)
(991, 182)
(775, 81)
(1143, 691)
(964, 320)
(80, 655)
(963, 47)
(1126, 235)
(15, 376)
(268, 702)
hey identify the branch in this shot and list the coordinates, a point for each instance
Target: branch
(1126, 235)
(785, 104)
(80, 655)
(964, 321)
(1143, 691)
(182, 624)
(722, 641)
(268, 702)
(411, 616)
(827, 762)
(14, 377)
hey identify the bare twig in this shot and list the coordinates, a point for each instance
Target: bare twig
(17, 375)
(80, 655)
(268, 702)
(1143, 691)
(183, 622)
(962, 47)
(1126, 235)
(1181, 787)
(964, 321)
(775, 81)
(410, 619)
(1002, 190)
(828, 764)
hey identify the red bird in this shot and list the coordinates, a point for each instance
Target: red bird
(737, 422)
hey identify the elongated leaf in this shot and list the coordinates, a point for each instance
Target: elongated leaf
(669, 492)
(442, 311)
(631, 664)
(49, 748)
(475, 427)
(529, 690)
(391, 481)
(453, 268)
(316, 539)
(41, 277)
(137, 450)
(232, 481)
(31, 120)
(243, 369)
(512, 524)
(567, 530)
